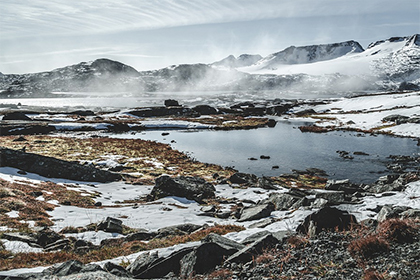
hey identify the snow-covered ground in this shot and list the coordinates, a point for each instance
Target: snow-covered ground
(367, 112)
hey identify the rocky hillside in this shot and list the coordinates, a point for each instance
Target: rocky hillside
(340, 68)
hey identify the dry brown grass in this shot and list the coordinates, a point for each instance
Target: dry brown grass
(398, 230)
(135, 155)
(368, 246)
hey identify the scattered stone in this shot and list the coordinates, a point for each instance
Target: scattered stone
(263, 223)
(256, 212)
(193, 188)
(264, 157)
(116, 270)
(285, 201)
(205, 110)
(111, 225)
(140, 235)
(389, 212)
(271, 123)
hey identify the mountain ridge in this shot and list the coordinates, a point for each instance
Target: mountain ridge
(346, 66)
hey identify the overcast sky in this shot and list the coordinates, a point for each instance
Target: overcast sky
(40, 35)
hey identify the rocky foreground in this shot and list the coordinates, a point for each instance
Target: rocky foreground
(159, 214)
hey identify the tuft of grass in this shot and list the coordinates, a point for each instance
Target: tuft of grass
(368, 246)
(372, 274)
(398, 230)
(297, 241)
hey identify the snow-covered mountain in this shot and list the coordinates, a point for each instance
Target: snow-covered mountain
(388, 62)
(242, 61)
(341, 67)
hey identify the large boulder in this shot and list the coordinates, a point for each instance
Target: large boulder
(205, 110)
(143, 262)
(53, 168)
(327, 218)
(111, 225)
(193, 188)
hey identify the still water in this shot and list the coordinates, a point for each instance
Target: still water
(288, 148)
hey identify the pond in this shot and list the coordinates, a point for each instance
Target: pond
(288, 148)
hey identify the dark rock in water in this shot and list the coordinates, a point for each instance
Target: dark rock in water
(243, 178)
(271, 123)
(193, 188)
(326, 219)
(255, 248)
(205, 110)
(16, 116)
(264, 157)
(252, 158)
(256, 212)
(53, 168)
(171, 103)
(163, 111)
(111, 225)
(143, 262)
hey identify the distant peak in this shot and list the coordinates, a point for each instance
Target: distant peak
(243, 60)
(414, 39)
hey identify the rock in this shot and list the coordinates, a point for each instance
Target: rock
(389, 183)
(263, 223)
(182, 229)
(264, 157)
(116, 270)
(47, 236)
(140, 235)
(266, 183)
(61, 244)
(333, 197)
(20, 139)
(53, 168)
(271, 123)
(84, 113)
(111, 225)
(327, 218)
(162, 266)
(205, 110)
(256, 212)
(389, 212)
(222, 241)
(280, 236)
(204, 258)
(411, 213)
(408, 86)
(283, 201)
(342, 185)
(398, 119)
(255, 248)
(65, 269)
(243, 178)
(171, 103)
(143, 262)
(16, 116)
(193, 188)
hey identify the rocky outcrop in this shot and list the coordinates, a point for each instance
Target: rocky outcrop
(327, 218)
(53, 168)
(193, 188)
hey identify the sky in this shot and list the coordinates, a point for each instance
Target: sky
(41, 35)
